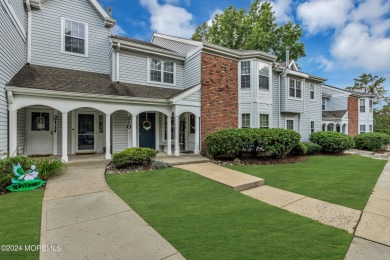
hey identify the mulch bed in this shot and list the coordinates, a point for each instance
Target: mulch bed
(262, 160)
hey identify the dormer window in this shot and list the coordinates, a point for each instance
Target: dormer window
(162, 71)
(74, 37)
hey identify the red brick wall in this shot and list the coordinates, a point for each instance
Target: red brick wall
(353, 116)
(219, 92)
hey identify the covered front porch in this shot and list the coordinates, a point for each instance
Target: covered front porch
(40, 125)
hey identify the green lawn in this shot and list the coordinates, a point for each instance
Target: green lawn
(343, 180)
(20, 222)
(206, 220)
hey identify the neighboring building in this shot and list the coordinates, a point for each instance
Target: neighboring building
(73, 88)
(347, 112)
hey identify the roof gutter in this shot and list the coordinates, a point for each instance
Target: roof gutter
(83, 96)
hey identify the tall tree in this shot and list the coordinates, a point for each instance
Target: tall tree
(255, 29)
(369, 84)
(382, 119)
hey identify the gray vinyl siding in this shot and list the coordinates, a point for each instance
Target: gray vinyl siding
(133, 68)
(338, 101)
(192, 68)
(294, 105)
(193, 98)
(21, 131)
(176, 46)
(119, 131)
(285, 116)
(283, 93)
(18, 7)
(46, 36)
(12, 59)
(275, 100)
(312, 111)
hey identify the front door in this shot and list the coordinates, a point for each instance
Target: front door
(40, 132)
(86, 132)
(147, 130)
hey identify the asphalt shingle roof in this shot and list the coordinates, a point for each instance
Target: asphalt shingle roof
(123, 38)
(334, 114)
(51, 78)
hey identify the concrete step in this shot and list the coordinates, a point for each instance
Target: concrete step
(234, 179)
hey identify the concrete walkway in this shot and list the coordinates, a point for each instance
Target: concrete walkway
(234, 179)
(82, 215)
(324, 212)
(373, 231)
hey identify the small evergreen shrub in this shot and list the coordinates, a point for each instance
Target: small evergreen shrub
(371, 141)
(233, 143)
(49, 168)
(299, 150)
(133, 156)
(312, 148)
(332, 142)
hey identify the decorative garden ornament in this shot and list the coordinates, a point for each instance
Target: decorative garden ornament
(25, 180)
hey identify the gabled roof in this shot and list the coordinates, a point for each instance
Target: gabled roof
(108, 20)
(337, 114)
(353, 93)
(66, 80)
(136, 41)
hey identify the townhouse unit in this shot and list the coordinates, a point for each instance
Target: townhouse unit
(68, 86)
(346, 112)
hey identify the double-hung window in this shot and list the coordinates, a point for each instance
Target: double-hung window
(75, 37)
(362, 129)
(295, 88)
(245, 120)
(264, 78)
(312, 126)
(362, 105)
(312, 91)
(264, 121)
(245, 74)
(290, 124)
(162, 71)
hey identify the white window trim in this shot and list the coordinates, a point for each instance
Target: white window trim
(269, 119)
(86, 47)
(162, 73)
(285, 124)
(241, 117)
(323, 99)
(250, 75)
(310, 126)
(295, 88)
(314, 88)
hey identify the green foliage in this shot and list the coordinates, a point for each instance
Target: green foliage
(369, 84)
(385, 131)
(372, 141)
(233, 143)
(382, 120)
(332, 142)
(312, 148)
(299, 150)
(133, 156)
(255, 29)
(46, 167)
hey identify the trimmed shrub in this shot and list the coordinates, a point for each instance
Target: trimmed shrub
(299, 150)
(233, 143)
(332, 142)
(133, 156)
(371, 141)
(49, 168)
(385, 131)
(312, 148)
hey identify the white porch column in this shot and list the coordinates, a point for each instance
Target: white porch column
(64, 156)
(108, 137)
(13, 133)
(169, 137)
(197, 135)
(134, 129)
(177, 148)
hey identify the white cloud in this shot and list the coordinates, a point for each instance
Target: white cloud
(169, 19)
(212, 15)
(118, 30)
(320, 15)
(324, 63)
(282, 9)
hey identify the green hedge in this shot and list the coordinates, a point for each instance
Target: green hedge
(332, 142)
(133, 156)
(299, 150)
(235, 142)
(313, 148)
(371, 141)
(385, 131)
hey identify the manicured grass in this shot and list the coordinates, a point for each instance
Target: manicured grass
(343, 180)
(20, 222)
(206, 220)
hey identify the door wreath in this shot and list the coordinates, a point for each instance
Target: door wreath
(147, 125)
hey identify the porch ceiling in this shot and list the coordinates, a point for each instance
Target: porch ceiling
(58, 79)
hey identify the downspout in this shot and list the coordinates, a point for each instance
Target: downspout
(117, 61)
(28, 5)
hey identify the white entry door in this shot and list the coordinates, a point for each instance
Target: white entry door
(40, 132)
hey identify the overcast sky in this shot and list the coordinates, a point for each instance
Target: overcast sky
(343, 38)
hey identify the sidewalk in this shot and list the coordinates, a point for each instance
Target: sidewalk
(373, 231)
(87, 220)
